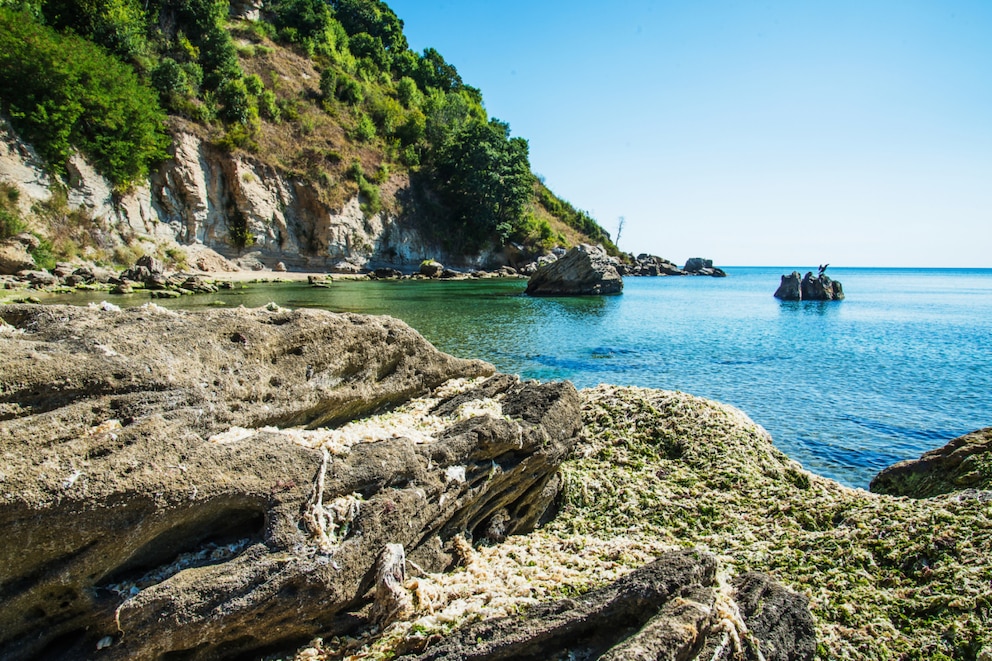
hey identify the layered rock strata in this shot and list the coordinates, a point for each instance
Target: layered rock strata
(185, 485)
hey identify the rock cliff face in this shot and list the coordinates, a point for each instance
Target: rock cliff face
(205, 196)
(196, 495)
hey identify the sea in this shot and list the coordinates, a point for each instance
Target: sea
(846, 388)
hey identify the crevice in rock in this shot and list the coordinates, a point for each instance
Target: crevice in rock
(216, 538)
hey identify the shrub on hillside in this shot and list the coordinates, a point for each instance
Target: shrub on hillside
(61, 92)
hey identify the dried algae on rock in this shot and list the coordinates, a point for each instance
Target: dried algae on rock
(887, 578)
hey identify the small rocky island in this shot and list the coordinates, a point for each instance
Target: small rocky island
(809, 288)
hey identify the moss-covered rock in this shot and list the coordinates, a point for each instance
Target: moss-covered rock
(964, 463)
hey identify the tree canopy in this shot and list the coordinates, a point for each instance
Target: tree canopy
(64, 92)
(484, 177)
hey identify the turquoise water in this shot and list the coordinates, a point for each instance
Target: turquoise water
(846, 388)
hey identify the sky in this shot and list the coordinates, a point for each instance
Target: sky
(747, 132)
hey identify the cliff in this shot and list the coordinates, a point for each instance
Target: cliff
(207, 197)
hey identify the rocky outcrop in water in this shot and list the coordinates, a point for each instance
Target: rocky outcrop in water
(809, 288)
(584, 270)
(178, 484)
(700, 266)
(963, 463)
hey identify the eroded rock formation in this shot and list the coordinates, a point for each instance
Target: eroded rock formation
(809, 288)
(172, 485)
(584, 270)
(963, 463)
(668, 609)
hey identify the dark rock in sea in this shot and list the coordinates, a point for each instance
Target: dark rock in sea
(172, 487)
(964, 463)
(790, 288)
(584, 270)
(821, 288)
(700, 266)
(664, 610)
(809, 288)
(649, 265)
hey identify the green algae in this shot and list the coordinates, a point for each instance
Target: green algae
(887, 577)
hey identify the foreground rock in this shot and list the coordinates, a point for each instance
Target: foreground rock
(665, 610)
(809, 288)
(162, 506)
(964, 463)
(584, 270)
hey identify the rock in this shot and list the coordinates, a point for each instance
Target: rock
(963, 463)
(584, 270)
(809, 288)
(779, 618)
(39, 278)
(159, 466)
(664, 610)
(204, 259)
(790, 288)
(700, 266)
(15, 257)
(821, 288)
(431, 268)
(154, 265)
(320, 281)
(385, 273)
(697, 264)
(280, 267)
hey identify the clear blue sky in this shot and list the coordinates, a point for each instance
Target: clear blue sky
(752, 133)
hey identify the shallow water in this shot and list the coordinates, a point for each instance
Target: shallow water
(846, 388)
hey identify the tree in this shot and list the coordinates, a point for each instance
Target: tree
(374, 18)
(483, 176)
(64, 93)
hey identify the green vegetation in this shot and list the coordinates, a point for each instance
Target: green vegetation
(106, 77)
(887, 578)
(63, 92)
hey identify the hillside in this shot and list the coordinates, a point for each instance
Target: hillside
(305, 131)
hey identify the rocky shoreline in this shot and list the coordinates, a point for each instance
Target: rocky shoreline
(278, 482)
(213, 272)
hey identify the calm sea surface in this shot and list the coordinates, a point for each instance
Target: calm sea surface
(846, 388)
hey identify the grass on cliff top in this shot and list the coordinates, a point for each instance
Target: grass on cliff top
(887, 578)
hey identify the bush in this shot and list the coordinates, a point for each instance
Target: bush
(63, 92)
(364, 129)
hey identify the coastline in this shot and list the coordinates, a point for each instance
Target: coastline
(654, 470)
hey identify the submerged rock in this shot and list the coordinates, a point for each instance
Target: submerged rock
(964, 463)
(584, 270)
(180, 491)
